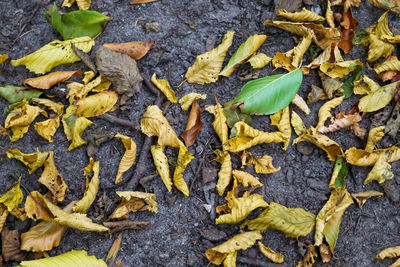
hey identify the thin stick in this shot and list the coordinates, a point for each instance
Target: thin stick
(150, 85)
(121, 122)
(26, 24)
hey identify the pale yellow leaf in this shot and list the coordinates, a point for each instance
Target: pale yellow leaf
(230, 260)
(184, 158)
(165, 88)
(362, 197)
(128, 158)
(270, 254)
(281, 119)
(264, 165)
(97, 104)
(132, 201)
(381, 172)
(48, 128)
(33, 160)
(92, 186)
(297, 124)
(259, 60)
(329, 14)
(324, 112)
(365, 86)
(13, 197)
(224, 174)
(301, 104)
(303, 15)
(87, 76)
(360, 157)
(187, 100)
(300, 49)
(112, 253)
(392, 252)
(378, 99)
(246, 179)
(161, 163)
(74, 127)
(374, 136)
(389, 65)
(339, 69)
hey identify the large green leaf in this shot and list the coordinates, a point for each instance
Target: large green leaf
(269, 94)
(77, 23)
(348, 85)
(14, 94)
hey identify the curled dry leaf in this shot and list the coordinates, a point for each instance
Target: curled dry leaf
(132, 201)
(33, 160)
(193, 126)
(329, 15)
(53, 54)
(301, 104)
(360, 157)
(3, 131)
(309, 258)
(341, 121)
(316, 94)
(10, 245)
(87, 76)
(392, 252)
(92, 186)
(270, 254)
(97, 104)
(340, 69)
(244, 52)
(281, 120)
(241, 241)
(128, 158)
(208, 65)
(349, 25)
(82, 4)
(331, 86)
(49, 80)
(330, 217)
(245, 179)
(135, 50)
(294, 222)
(325, 253)
(378, 99)
(374, 136)
(297, 124)
(112, 253)
(184, 158)
(161, 163)
(388, 69)
(165, 88)
(79, 91)
(259, 60)
(391, 5)
(362, 197)
(381, 172)
(261, 164)
(324, 112)
(303, 15)
(13, 197)
(74, 126)
(224, 174)
(220, 122)
(187, 100)
(3, 216)
(330, 54)
(365, 86)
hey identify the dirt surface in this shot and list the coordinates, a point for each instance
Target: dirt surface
(180, 232)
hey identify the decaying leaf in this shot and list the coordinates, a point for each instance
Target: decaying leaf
(193, 126)
(325, 253)
(220, 121)
(235, 115)
(33, 160)
(360, 157)
(128, 158)
(112, 253)
(301, 104)
(87, 76)
(362, 197)
(281, 120)
(391, 5)
(245, 179)
(10, 245)
(161, 163)
(270, 254)
(297, 124)
(79, 91)
(241, 241)
(374, 136)
(340, 69)
(49, 80)
(365, 86)
(207, 67)
(132, 201)
(3, 216)
(329, 15)
(14, 94)
(82, 4)
(135, 50)
(187, 100)
(388, 69)
(121, 70)
(224, 174)
(294, 222)
(184, 158)
(74, 127)
(261, 164)
(244, 52)
(13, 197)
(331, 86)
(259, 60)
(78, 258)
(349, 25)
(381, 172)
(324, 112)
(330, 217)
(330, 54)
(48, 128)
(392, 252)
(303, 15)
(53, 54)
(165, 88)
(309, 258)
(377, 99)
(341, 121)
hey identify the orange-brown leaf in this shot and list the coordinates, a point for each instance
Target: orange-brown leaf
(194, 125)
(49, 80)
(349, 25)
(135, 50)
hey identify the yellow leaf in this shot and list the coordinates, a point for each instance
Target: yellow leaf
(3, 57)
(76, 91)
(128, 158)
(362, 197)
(381, 172)
(76, 258)
(281, 119)
(48, 128)
(74, 127)
(184, 158)
(389, 65)
(49, 80)
(246, 179)
(241, 241)
(301, 104)
(248, 137)
(187, 100)
(92, 186)
(303, 15)
(33, 161)
(339, 69)
(224, 174)
(392, 252)
(378, 99)
(359, 157)
(230, 260)
(13, 197)
(298, 124)
(165, 88)
(52, 179)
(374, 136)
(309, 258)
(99, 84)
(132, 201)
(378, 48)
(219, 123)
(270, 254)
(264, 165)
(87, 76)
(324, 112)
(96, 105)
(324, 57)
(161, 163)
(3, 216)
(112, 253)
(330, 216)
(332, 149)
(259, 60)
(365, 86)
(329, 15)
(283, 60)
(20, 118)
(294, 222)
(3, 131)
(53, 54)
(241, 208)
(207, 66)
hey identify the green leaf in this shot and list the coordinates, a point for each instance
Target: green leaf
(269, 94)
(235, 115)
(348, 85)
(339, 174)
(77, 23)
(14, 94)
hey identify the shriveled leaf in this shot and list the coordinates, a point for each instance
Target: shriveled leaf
(87, 76)
(82, 4)
(97, 104)
(309, 258)
(391, 5)
(187, 100)
(392, 252)
(388, 69)
(374, 136)
(128, 158)
(3, 216)
(329, 15)
(330, 217)
(241, 241)
(365, 86)
(53, 54)
(244, 52)
(316, 94)
(270, 254)
(340, 69)
(33, 160)
(193, 126)
(362, 197)
(378, 99)
(48, 128)
(297, 124)
(112, 253)
(349, 25)
(74, 127)
(325, 253)
(165, 88)
(341, 121)
(281, 119)
(92, 186)
(259, 60)
(135, 50)
(77, 258)
(161, 163)
(303, 15)
(224, 174)
(261, 164)
(301, 104)
(294, 222)
(246, 179)
(49, 80)
(235, 115)
(381, 172)
(3, 57)
(324, 112)
(360, 157)
(330, 54)
(207, 67)
(132, 201)
(14, 94)
(220, 122)
(269, 94)
(10, 245)
(340, 171)
(184, 158)
(13, 197)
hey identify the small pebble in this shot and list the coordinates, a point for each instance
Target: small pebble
(152, 26)
(304, 158)
(317, 184)
(289, 175)
(307, 173)
(304, 148)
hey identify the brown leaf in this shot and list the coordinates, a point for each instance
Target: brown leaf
(349, 25)
(362, 197)
(135, 2)
(135, 50)
(341, 121)
(193, 126)
(112, 253)
(325, 253)
(47, 81)
(126, 225)
(10, 245)
(309, 258)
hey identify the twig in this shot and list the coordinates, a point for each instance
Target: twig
(252, 262)
(26, 24)
(84, 57)
(126, 225)
(121, 122)
(150, 86)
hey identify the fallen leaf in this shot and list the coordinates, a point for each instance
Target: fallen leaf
(378, 99)
(224, 174)
(341, 121)
(301, 104)
(349, 25)
(10, 245)
(49, 80)
(362, 197)
(330, 54)
(330, 217)
(340, 69)
(393, 124)
(74, 126)
(220, 122)
(374, 136)
(82, 4)
(128, 158)
(132, 201)
(358, 131)
(187, 100)
(303, 15)
(243, 53)
(245, 179)
(381, 172)
(329, 15)
(92, 186)
(165, 88)
(53, 54)
(259, 60)
(316, 94)
(3, 216)
(14, 94)
(275, 257)
(392, 252)
(78, 258)
(33, 160)
(331, 86)
(193, 126)
(235, 115)
(87, 76)
(112, 253)
(97, 104)
(325, 253)
(297, 124)
(339, 174)
(241, 241)
(388, 69)
(349, 3)
(281, 119)
(48, 128)
(207, 66)
(184, 158)
(261, 164)
(134, 2)
(121, 70)
(324, 112)
(3, 57)
(13, 197)
(365, 86)
(348, 85)
(135, 50)
(294, 222)
(3, 131)
(161, 163)
(391, 5)
(309, 258)
(269, 94)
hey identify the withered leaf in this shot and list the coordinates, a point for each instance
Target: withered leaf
(112, 253)
(391, 5)
(362, 197)
(309, 258)
(10, 245)
(92, 186)
(224, 174)
(270, 254)
(349, 25)
(135, 50)
(33, 160)
(128, 158)
(187, 100)
(132, 201)
(235, 115)
(193, 126)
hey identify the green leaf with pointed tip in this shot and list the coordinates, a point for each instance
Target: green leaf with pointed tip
(14, 94)
(269, 94)
(77, 23)
(235, 115)
(348, 85)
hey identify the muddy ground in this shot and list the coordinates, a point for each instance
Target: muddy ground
(188, 28)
